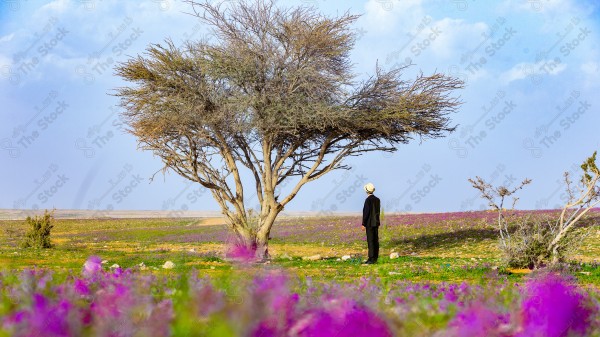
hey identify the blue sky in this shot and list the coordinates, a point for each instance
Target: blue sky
(531, 70)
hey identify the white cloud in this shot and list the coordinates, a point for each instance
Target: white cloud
(7, 38)
(4, 61)
(551, 13)
(538, 6)
(57, 6)
(524, 69)
(456, 35)
(590, 71)
(478, 74)
(91, 30)
(385, 15)
(590, 68)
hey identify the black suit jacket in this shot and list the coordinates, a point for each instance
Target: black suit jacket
(371, 211)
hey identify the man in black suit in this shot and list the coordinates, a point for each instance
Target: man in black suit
(371, 223)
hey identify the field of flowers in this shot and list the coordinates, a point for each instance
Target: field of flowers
(259, 301)
(170, 277)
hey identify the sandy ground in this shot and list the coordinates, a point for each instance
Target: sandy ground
(214, 217)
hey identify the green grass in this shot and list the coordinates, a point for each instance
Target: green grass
(438, 254)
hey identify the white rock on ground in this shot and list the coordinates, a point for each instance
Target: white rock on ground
(114, 266)
(394, 255)
(285, 256)
(312, 258)
(168, 265)
(142, 266)
(346, 257)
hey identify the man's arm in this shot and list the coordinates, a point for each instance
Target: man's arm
(366, 212)
(378, 210)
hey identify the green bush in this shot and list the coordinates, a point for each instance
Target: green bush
(527, 245)
(38, 235)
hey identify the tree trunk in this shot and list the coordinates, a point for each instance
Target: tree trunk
(262, 246)
(264, 230)
(257, 242)
(244, 236)
(554, 255)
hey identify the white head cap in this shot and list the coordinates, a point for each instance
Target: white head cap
(369, 188)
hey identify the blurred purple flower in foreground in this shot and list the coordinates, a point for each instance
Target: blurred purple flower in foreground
(329, 315)
(274, 304)
(553, 306)
(81, 287)
(341, 317)
(42, 319)
(267, 302)
(478, 320)
(92, 266)
(240, 253)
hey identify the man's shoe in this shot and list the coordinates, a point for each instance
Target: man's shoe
(370, 262)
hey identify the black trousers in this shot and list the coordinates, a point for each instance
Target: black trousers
(373, 242)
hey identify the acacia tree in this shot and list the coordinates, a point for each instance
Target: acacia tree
(272, 92)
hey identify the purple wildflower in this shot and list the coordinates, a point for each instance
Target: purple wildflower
(554, 307)
(478, 321)
(278, 304)
(205, 298)
(340, 317)
(81, 287)
(92, 266)
(42, 319)
(241, 253)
